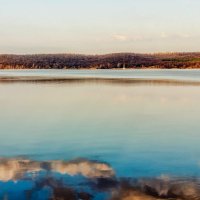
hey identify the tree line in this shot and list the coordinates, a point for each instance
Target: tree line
(109, 61)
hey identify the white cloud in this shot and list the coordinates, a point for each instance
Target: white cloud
(120, 37)
(134, 38)
(184, 35)
(164, 35)
(123, 38)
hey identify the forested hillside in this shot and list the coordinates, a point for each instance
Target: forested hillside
(109, 61)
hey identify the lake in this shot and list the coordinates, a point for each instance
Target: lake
(99, 134)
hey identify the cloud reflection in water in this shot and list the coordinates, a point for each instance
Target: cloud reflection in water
(92, 180)
(14, 169)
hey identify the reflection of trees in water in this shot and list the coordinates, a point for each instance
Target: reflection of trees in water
(99, 80)
(97, 178)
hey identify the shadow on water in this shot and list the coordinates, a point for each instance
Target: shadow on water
(83, 179)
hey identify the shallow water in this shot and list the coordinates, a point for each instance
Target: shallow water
(143, 130)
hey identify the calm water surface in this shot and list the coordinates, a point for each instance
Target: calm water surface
(172, 74)
(80, 138)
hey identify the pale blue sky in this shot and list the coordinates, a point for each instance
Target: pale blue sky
(99, 26)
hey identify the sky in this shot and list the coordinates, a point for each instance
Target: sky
(99, 26)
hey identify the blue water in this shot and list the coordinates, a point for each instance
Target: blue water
(139, 130)
(172, 74)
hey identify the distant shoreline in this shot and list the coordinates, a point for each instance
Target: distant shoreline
(108, 61)
(97, 69)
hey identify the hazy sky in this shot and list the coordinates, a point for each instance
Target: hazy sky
(99, 26)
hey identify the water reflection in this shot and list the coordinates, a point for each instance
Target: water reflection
(15, 169)
(140, 132)
(91, 80)
(85, 179)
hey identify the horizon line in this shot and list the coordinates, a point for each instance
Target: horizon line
(102, 54)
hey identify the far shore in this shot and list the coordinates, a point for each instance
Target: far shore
(107, 61)
(91, 69)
